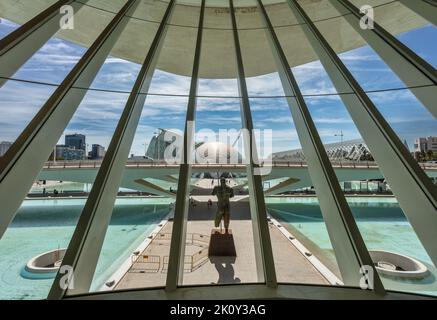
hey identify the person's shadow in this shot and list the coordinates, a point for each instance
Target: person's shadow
(225, 269)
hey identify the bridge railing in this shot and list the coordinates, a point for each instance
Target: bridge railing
(84, 164)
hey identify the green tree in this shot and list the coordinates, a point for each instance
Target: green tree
(430, 155)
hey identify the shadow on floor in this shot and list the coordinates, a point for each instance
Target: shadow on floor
(225, 269)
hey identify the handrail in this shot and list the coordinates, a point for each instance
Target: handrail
(84, 164)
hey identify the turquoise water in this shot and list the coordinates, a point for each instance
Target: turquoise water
(380, 221)
(44, 225)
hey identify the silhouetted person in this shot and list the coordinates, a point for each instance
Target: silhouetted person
(223, 193)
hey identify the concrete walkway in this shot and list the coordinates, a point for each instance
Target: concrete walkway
(291, 265)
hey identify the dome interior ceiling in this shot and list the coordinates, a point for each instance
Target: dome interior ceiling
(218, 52)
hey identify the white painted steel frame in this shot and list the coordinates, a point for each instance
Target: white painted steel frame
(86, 243)
(175, 272)
(425, 8)
(349, 248)
(414, 71)
(260, 228)
(21, 44)
(409, 183)
(21, 164)
(414, 190)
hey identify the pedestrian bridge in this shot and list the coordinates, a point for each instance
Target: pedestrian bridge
(138, 175)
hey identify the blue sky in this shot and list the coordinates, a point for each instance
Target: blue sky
(99, 112)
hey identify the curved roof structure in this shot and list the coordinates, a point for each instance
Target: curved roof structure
(351, 150)
(217, 52)
(220, 39)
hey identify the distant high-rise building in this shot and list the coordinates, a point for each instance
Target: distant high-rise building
(76, 141)
(4, 146)
(425, 144)
(97, 152)
(64, 152)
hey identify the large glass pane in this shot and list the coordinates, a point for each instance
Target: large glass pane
(409, 119)
(292, 215)
(381, 221)
(47, 218)
(319, 11)
(51, 64)
(408, 27)
(150, 10)
(295, 221)
(6, 27)
(144, 221)
(13, 14)
(112, 6)
(279, 14)
(371, 71)
(121, 68)
(214, 50)
(58, 56)
(401, 108)
(18, 109)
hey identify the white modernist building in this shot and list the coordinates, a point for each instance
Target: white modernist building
(225, 39)
(425, 144)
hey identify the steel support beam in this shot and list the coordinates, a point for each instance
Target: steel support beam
(85, 246)
(175, 273)
(349, 248)
(426, 9)
(21, 164)
(261, 235)
(414, 71)
(414, 191)
(17, 47)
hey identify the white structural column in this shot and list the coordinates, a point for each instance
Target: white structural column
(414, 191)
(175, 271)
(424, 8)
(85, 246)
(21, 164)
(349, 248)
(405, 63)
(261, 235)
(17, 47)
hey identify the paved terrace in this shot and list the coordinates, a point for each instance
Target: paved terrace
(291, 264)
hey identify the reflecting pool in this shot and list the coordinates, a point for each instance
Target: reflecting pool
(42, 225)
(381, 222)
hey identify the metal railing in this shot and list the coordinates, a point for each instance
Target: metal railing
(85, 164)
(144, 263)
